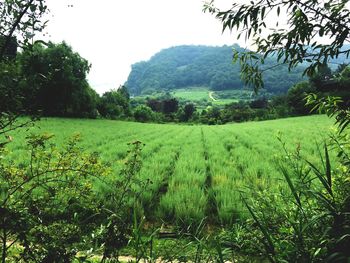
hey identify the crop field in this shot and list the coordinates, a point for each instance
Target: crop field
(194, 94)
(218, 98)
(196, 171)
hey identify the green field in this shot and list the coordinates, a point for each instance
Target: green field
(192, 94)
(197, 94)
(197, 171)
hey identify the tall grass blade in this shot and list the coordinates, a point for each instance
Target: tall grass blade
(321, 178)
(328, 170)
(269, 245)
(291, 186)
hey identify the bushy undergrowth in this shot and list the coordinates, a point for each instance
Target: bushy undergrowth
(202, 165)
(51, 210)
(68, 204)
(309, 220)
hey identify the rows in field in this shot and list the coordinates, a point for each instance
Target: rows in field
(215, 165)
(195, 171)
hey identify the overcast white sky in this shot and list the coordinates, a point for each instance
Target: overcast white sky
(113, 34)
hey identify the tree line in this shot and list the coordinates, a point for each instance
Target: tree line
(50, 79)
(188, 66)
(324, 83)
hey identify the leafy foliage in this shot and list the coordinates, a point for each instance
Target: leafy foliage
(143, 113)
(308, 23)
(187, 66)
(114, 104)
(330, 106)
(54, 80)
(309, 221)
(19, 20)
(44, 204)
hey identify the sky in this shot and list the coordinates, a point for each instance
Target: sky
(114, 34)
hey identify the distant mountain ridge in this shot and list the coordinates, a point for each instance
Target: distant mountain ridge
(188, 66)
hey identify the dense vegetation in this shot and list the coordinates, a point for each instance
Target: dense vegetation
(50, 80)
(187, 164)
(195, 173)
(209, 111)
(212, 192)
(188, 66)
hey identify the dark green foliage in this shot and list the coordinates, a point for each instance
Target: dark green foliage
(143, 113)
(189, 110)
(310, 221)
(259, 103)
(321, 77)
(45, 204)
(54, 80)
(11, 96)
(114, 104)
(19, 20)
(296, 95)
(342, 86)
(308, 23)
(170, 105)
(188, 66)
(10, 50)
(155, 104)
(165, 105)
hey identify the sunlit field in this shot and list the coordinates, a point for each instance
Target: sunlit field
(217, 98)
(196, 171)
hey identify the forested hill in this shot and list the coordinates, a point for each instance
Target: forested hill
(188, 66)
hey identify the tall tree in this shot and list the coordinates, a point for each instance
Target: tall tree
(20, 20)
(114, 104)
(55, 80)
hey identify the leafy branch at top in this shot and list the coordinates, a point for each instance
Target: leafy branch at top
(290, 44)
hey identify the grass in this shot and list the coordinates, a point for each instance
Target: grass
(202, 94)
(192, 94)
(196, 171)
(221, 102)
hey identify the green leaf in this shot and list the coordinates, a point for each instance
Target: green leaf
(32, 8)
(321, 178)
(269, 246)
(263, 9)
(328, 169)
(291, 186)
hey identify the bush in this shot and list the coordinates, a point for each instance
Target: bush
(309, 220)
(143, 113)
(45, 204)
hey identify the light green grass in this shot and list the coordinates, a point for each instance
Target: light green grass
(220, 102)
(186, 163)
(192, 94)
(221, 98)
(199, 95)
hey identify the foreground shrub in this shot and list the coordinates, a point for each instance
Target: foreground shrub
(45, 203)
(309, 220)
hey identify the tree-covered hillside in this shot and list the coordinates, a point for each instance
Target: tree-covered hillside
(188, 66)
